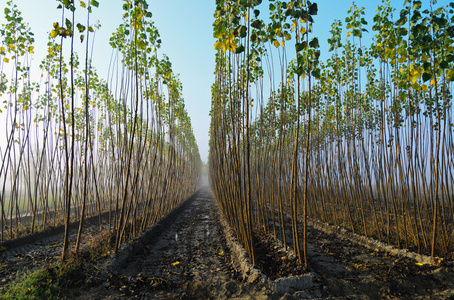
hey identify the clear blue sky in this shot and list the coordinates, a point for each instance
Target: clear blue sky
(186, 31)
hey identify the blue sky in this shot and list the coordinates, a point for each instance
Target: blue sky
(186, 32)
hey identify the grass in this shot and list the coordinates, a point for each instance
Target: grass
(53, 282)
(62, 280)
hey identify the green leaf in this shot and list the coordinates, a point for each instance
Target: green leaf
(426, 76)
(316, 73)
(314, 43)
(451, 75)
(142, 45)
(313, 9)
(80, 27)
(69, 25)
(417, 5)
(450, 58)
(256, 24)
(242, 31)
(240, 49)
(90, 29)
(444, 65)
(94, 3)
(438, 11)
(300, 60)
(300, 71)
(401, 22)
(300, 46)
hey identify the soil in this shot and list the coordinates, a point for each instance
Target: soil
(42, 249)
(185, 256)
(187, 260)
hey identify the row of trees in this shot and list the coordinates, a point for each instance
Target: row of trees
(78, 145)
(362, 140)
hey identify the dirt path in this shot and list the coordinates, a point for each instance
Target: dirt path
(188, 260)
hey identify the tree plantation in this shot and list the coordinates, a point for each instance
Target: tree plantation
(79, 145)
(356, 137)
(362, 140)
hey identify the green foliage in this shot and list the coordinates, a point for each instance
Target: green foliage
(48, 283)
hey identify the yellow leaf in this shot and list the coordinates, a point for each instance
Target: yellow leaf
(6, 60)
(279, 32)
(419, 264)
(425, 88)
(53, 34)
(349, 34)
(25, 108)
(82, 4)
(302, 30)
(276, 43)
(402, 59)
(293, 26)
(218, 46)
(221, 253)
(432, 82)
(414, 76)
(30, 49)
(176, 263)
(283, 44)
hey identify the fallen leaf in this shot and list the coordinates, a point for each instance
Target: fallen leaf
(176, 263)
(419, 264)
(221, 253)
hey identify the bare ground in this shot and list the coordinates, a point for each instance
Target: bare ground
(29, 253)
(186, 257)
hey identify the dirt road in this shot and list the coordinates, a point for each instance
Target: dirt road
(189, 259)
